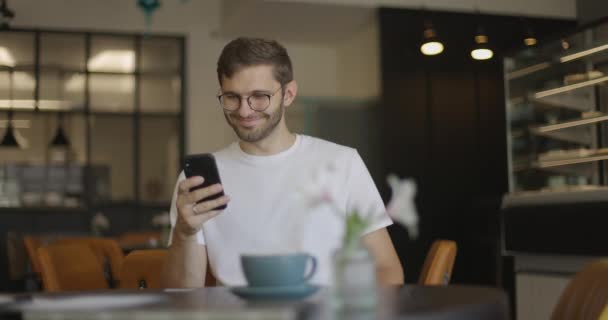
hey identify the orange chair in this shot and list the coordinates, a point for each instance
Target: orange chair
(586, 295)
(142, 269)
(32, 243)
(438, 265)
(139, 238)
(70, 267)
(106, 250)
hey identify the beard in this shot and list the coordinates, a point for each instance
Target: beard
(259, 133)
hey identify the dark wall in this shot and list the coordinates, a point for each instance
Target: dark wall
(444, 125)
(590, 10)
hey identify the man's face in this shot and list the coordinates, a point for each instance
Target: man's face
(250, 125)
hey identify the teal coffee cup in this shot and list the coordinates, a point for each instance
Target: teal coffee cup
(278, 270)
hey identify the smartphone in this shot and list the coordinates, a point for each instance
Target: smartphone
(204, 165)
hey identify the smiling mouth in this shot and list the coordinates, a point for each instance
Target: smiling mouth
(247, 122)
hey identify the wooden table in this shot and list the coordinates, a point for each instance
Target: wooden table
(407, 302)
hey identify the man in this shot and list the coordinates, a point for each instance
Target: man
(261, 177)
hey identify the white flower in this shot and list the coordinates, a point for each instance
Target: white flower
(161, 219)
(319, 189)
(100, 221)
(402, 207)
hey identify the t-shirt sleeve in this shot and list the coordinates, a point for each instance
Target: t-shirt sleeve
(173, 213)
(364, 197)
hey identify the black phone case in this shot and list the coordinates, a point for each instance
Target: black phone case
(203, 165)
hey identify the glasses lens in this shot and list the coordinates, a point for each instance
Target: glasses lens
(259, 101)
(230, 101)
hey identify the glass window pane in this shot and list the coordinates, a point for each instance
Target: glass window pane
(61, 90)
(112, 54)
(62, 59)
(161, 55)
(46, 176)
(37, 130)
(17, 89)
(17, 49)
(5, 92)
(112, 93)
(160, 94)
(17, 81)
(23, 84)
(112, 153)
(29, 130)
(62, 51)
(159, 160)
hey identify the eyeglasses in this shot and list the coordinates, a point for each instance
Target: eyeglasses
(257, 101)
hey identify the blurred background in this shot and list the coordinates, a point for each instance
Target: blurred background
(103, 104)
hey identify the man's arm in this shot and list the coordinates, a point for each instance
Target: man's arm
(388, 266)
(186, 262)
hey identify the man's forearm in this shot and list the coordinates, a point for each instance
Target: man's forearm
(186, 263)
(386, 276)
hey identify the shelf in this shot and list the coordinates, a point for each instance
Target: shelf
(578, 170)
(570, 87)
(553, 164)
(572, 194)
(580, 102)
(583, 53)
(578, 134)
(534, 68)
(569, 124)
(527, 70)
(564, 162)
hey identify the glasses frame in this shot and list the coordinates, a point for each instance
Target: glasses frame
(248, 97)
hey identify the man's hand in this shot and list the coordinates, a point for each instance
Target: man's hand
(190, 215)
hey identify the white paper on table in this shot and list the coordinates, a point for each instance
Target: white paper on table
(90, 302)
(6, 299)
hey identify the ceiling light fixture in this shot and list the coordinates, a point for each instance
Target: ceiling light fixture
(9, 140)
(431, 45)
(60, 139)
(6, 15)
(481, 49)
(529, 37)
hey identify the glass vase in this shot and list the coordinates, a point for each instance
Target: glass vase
(354, 275)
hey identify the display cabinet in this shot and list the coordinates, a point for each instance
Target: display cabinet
(557, 114)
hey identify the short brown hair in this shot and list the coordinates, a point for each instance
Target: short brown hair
(247, 52)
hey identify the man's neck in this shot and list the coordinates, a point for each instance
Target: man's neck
(278, 141)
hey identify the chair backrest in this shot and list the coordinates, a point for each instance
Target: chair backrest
(586, 295)
(604, 315)
(70, 267)
(32, 243)
(439, 262)
(139, 237)
(106, 250)
(142, 269)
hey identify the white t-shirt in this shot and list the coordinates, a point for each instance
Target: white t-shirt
(270, 210)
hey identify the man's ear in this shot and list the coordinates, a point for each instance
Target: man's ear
(291, 90)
